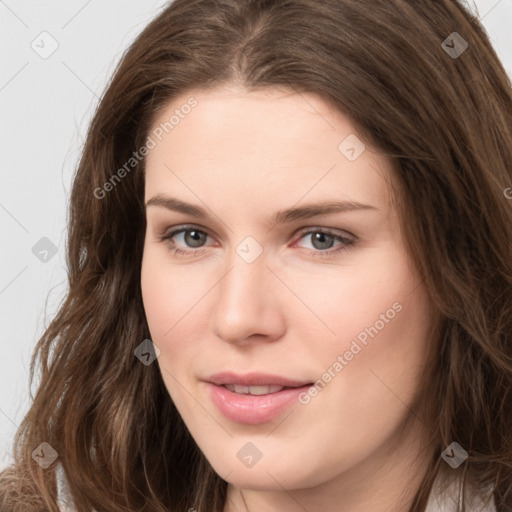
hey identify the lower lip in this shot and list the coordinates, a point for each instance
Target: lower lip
(253, 409)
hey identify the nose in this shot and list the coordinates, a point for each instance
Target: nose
(249, 303)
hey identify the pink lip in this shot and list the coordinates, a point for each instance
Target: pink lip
(254, 379)
(252, 409)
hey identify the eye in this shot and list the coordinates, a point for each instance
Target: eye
(192, 237)
(322, 240)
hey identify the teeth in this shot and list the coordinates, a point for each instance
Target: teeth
(253, 390)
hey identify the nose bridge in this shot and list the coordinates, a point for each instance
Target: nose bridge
(242, 286)
(245, 302)
(247, 263)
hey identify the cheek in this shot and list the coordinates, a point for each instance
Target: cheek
(377, 304)
(168, 294)
(167, 297)
(399, 324)
(370, 392)
(380, 316)
(172, 298)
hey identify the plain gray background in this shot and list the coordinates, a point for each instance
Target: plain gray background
(46, 103)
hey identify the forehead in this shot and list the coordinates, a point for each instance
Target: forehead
(262, 141)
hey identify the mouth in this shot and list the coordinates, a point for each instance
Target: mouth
(254, 390)
(254, 398)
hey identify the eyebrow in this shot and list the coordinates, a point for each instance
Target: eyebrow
(280, 217)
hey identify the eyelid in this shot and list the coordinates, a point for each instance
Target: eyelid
(170, 232)
(330, 231)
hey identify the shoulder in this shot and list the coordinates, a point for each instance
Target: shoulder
(446, 493)
(64, 500)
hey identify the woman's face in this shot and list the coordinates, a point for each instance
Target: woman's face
(319, 299)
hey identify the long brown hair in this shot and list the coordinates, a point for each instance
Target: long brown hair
(440, 111)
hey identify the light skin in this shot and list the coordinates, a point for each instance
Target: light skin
(242, 156)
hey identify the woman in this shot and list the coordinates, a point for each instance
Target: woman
(205, 358)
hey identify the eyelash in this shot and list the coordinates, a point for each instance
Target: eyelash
(347, 243)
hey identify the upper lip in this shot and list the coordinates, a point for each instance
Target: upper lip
(254, 379)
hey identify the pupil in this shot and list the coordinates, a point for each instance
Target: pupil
(320, 237)
(194, 238)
